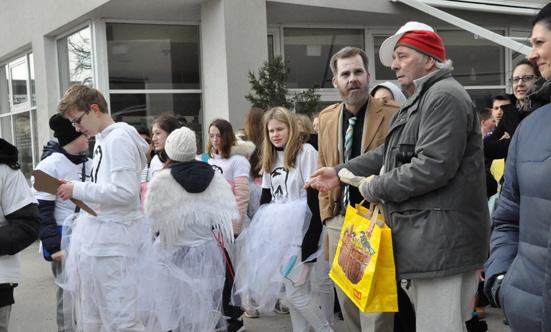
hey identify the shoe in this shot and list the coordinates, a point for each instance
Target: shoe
(280, 308)
(480, 312)
(236, 325)
(505, 321)
(252, 313)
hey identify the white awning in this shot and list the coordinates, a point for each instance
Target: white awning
(491, 6)
(424, 6)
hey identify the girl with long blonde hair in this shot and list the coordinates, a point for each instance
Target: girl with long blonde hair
(287, 225)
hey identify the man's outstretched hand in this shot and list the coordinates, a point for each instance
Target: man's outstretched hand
(324, 179)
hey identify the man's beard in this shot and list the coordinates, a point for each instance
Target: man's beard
(357, 97)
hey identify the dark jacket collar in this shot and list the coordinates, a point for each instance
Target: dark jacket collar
(54, 147)
(194, 176)
(538, 95)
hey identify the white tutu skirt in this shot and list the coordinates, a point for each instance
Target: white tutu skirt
(103, 287)
(274, 236)
(255, 191)
(182, 290)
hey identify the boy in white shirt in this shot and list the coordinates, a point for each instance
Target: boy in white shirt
(65, 159)
(19, 226)
(101, 266)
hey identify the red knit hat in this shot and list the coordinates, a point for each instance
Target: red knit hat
(423, 41)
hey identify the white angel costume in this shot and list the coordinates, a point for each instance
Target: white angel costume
(187, 204)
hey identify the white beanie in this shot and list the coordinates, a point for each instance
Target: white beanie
(180, 145)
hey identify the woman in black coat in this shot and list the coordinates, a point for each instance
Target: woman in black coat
(526, 81)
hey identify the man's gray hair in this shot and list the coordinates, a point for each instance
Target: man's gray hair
(347, 52)
(447, 64)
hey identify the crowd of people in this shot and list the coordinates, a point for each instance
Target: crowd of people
(182, 241)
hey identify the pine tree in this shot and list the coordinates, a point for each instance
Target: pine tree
(269, 89)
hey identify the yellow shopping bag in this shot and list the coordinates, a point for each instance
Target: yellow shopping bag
(364, 263)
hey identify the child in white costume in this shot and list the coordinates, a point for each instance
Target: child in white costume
(229, 157)
(19, 226)
(288, 226)
(101, 269)
(65, 159)
(186, 203)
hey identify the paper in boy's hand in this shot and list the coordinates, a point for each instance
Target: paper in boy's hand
(47, 183)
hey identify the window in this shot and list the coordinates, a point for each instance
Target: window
(382, 73)
(476, 62)
(484, 97)
(74, 54)
(18, 110)
(309, 51)
(154, 69)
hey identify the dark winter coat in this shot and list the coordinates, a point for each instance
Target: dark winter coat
(521, 240)
(432, 179)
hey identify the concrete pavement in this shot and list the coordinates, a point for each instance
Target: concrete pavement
(34, 310)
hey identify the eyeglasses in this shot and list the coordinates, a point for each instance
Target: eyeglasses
(525, 79)
(76, 122)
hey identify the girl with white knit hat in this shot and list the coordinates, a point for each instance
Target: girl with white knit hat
(186, 203)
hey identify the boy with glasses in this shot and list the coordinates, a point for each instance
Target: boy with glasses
(101, 267)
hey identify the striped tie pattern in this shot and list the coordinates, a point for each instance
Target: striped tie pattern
(347, 152)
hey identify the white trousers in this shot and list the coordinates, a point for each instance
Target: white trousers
(325, 285)
(108, 295)
(303, 309)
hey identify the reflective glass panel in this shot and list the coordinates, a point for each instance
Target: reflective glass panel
(484, 97)
(32, 82)
(309, 52)
(18, 74)
(475, 61)
(4, 90)
(37, 153)
(270, 47)
(139, 110)
(150, 56)
(75, 59)
(5, 123)
(22, 133)
(382, 73)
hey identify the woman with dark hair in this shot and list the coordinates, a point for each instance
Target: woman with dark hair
(229, 157)
(253, 132)
(160, 129)
(525, 80)
(518, 272)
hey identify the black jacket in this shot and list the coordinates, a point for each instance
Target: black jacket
(494, 146)
(49, 235)
(536, 97)
(24, 224)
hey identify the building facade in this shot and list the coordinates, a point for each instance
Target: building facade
(191, 57)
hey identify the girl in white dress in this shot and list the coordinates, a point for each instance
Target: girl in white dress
(161, 127)
(287, 224)
(186, 203)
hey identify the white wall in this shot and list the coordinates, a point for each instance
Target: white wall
(234, 40)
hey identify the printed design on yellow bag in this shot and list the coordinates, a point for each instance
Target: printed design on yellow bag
(363, 267)
(356, 252)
